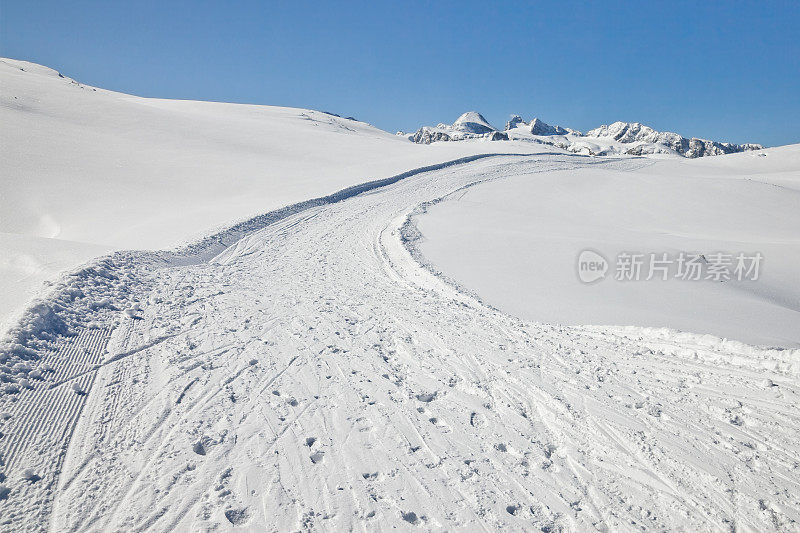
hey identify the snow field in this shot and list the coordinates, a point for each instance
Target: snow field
(515, 243)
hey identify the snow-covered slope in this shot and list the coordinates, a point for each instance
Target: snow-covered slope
(516, 242)
(620, 138)
(84, 170)
(90, 165)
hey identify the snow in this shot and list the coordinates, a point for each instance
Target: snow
(27, 262)
(515, 243)
(384, 396)
(646, 138)
(302, 363)
(86, 170)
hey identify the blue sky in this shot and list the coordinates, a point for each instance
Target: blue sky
(720, 70)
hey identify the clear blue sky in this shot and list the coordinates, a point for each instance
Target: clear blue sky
(720, 70)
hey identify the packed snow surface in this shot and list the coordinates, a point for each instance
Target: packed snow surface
(308, 368)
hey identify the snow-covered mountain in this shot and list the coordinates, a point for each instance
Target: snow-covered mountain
(538, 127)
(647, 140)
(470, 125)
(629, 138)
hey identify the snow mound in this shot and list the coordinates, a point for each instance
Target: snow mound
(82, 298)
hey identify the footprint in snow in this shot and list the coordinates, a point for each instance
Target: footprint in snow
(549, 450)
(426, 397)
(199, 448)
(317, 456)
(477, 420)
(30, 475)
(737, 420)
(237, 517)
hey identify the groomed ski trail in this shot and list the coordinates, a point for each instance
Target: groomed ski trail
(314, 376)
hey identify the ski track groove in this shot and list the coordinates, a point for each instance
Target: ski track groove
(42, 420)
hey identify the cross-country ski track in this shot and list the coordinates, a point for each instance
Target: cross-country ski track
(307, 371)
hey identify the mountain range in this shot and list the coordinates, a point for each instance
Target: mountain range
(630, 138)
